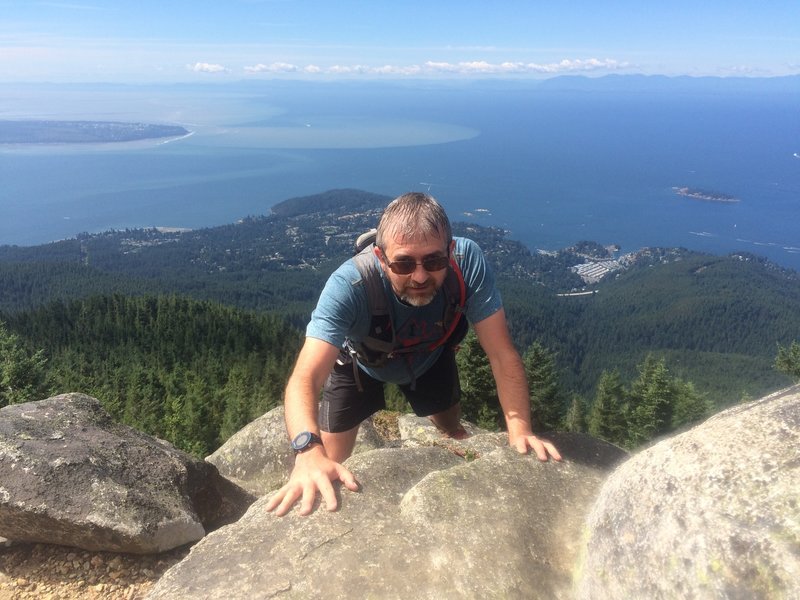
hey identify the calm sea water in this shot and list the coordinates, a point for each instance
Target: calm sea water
(554, 166)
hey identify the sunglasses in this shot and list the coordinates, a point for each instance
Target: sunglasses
(406, 266)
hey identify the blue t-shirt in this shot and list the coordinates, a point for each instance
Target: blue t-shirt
(342, 312)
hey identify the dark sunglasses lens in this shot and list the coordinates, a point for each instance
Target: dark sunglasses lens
(436, 263)
(406, 267)
(403, 267)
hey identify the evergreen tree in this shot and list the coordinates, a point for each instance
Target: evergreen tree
(22, 375)
(547, 411)
(608, 415)
(273, 382)
(652, 400)
(479, 401)
(660, 403)
(690, 405)
(237, 396)
(788, 360)
(575, 419)
(144, 400)
(186, 421)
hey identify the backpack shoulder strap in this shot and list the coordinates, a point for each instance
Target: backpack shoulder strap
(455, 298)
(381, 339)
(371, 278)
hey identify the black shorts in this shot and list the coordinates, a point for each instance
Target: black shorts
(343, 406)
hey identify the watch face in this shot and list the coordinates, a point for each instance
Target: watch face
(302, 440)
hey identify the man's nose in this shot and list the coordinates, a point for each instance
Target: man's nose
(420, 275)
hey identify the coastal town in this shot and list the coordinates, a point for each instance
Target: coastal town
(601, 261)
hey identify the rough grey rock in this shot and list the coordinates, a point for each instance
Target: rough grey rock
(710, 513)
(259, 459)
(420, 430)
(69, 475)
(426, 524)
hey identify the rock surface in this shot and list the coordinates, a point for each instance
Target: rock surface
(710, 513)
(259, 459)
(69, 475)
(427, 523)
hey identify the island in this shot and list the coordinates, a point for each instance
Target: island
(83, 132)
(703, 195)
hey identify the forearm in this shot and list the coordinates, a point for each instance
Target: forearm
(301, 400)
(512, 386)
(512, 391)
(301, 405)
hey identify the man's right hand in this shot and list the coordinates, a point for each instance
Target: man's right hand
(313, 471)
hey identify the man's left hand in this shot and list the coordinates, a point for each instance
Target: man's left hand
(542, 447)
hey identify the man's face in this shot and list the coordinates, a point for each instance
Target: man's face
(419, 287)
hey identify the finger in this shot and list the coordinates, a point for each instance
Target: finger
(289, 498)
(538, 448)
(274, 501)
(347, 478)
(544, 448)
(276, 498)
(552, 450)
(521, 445)
(328, 494)
(309, 494)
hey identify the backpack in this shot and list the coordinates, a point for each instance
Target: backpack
(380, 344)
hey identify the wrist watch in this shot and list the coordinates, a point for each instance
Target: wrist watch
(303, 441)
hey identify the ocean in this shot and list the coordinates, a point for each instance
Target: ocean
(554, 163)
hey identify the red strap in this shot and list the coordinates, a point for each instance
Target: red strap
(462, 298)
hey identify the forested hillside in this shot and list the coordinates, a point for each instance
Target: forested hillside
(190, 372)
(717, 321)
(188, 334)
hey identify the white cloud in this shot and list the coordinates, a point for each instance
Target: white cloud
(277, 67)
(439, 66)
(393, 70)
(348, 69)
(207, 68)
(467, 68)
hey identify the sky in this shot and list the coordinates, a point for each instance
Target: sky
(162, 41)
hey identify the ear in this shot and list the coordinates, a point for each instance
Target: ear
(381, 260)
(452, 248)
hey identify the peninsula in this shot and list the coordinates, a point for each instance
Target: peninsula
(705, 196)
(83, 132)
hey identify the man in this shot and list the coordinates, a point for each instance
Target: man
(412, 254)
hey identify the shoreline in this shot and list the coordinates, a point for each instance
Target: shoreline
(38, 132)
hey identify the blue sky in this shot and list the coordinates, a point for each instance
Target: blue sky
(230, 40)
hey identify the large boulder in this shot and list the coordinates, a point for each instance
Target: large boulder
(710, 513)
(69, 475)
(476, 520)
(415, 430)
(259, 458)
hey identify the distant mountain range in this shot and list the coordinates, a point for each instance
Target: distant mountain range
(615, 82)
(619, 82)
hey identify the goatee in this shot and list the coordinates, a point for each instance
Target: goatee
(418, 300)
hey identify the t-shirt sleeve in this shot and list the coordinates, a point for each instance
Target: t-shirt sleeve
(340, 304)
(483, 297)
